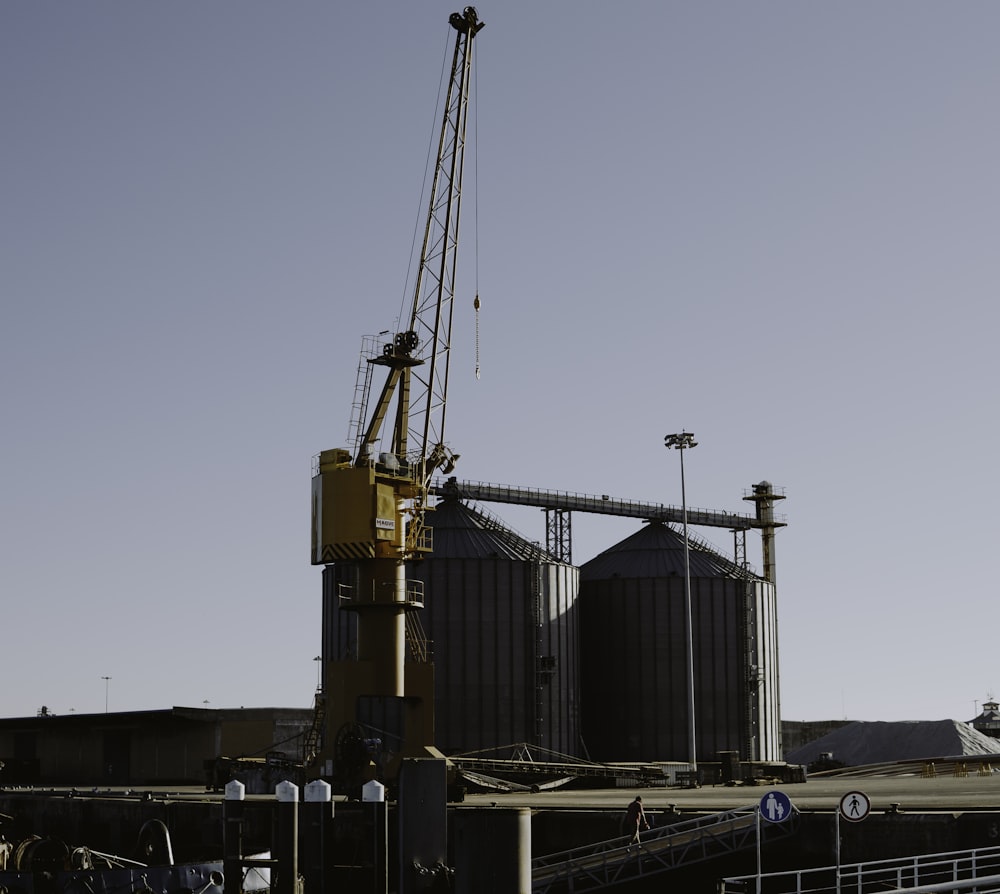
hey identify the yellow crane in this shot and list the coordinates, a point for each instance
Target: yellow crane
(370, 500)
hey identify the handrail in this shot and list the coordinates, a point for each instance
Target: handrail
(956, 868)
(661, 849)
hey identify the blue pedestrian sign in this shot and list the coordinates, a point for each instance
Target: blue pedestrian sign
(775, 807)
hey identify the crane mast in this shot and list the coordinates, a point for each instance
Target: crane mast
(368, 510)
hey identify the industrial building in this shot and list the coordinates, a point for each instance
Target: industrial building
(175, 746)
(587, 662)
(499, 626)
(525, 647)
(633, 634)
(521, 645)
(507, 658)
(988, 720)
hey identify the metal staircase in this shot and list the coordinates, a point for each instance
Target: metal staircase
(660, 850)
(314, 735)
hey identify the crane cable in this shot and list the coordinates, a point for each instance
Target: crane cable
(413, 265)
(475, 188)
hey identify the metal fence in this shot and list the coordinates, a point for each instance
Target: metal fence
(977, 869)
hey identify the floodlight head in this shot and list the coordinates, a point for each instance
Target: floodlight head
(680, 440)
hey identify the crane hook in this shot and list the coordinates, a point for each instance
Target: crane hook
(476, 305)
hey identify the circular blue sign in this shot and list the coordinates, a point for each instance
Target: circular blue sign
(775, 807)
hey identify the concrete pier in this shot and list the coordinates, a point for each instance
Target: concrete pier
(909, 815)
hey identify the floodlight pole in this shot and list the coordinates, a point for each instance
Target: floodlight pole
(679, 442)
(107, 685)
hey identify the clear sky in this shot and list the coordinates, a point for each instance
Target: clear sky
(773, 224)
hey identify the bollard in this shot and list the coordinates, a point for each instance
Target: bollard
(286, 847)
(317, 815)
(232, 837)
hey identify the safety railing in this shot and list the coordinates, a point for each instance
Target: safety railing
(659, 850)
(349, 596)
(924, 872)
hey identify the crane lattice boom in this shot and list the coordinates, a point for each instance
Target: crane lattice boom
(418, 357)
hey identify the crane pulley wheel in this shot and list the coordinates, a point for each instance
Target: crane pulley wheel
(467, 20)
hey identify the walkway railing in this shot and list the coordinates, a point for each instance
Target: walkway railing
(954, 870)
(659, 850)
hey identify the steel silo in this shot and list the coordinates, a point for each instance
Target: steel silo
(499, 616)
(634, 645)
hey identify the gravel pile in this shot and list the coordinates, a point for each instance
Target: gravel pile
(877, 742)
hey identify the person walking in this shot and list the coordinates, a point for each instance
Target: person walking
(635, 820)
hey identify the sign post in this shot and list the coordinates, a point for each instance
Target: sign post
(854, 807)
(775, 807)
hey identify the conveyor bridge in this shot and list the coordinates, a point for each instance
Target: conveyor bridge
(604, 504)
(608, 863)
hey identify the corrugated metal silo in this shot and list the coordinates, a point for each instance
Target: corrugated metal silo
(634, 642)
(500, 614)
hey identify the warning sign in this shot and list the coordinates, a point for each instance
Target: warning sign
(855, 806)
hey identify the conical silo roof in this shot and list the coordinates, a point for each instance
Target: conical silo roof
(461, 532)
(654, 551)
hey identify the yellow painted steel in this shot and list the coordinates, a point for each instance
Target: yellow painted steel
(352, 513)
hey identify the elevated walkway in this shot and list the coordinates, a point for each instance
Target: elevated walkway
(608, 863)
